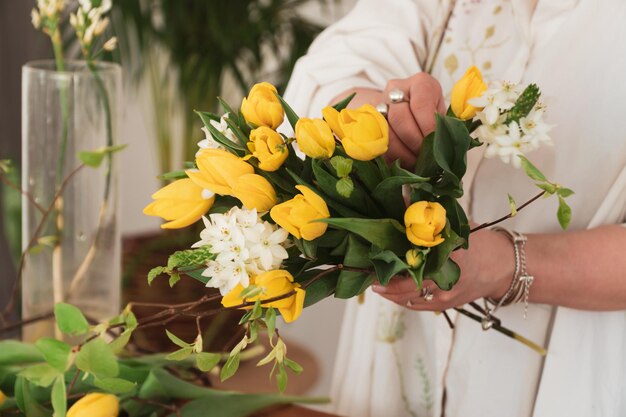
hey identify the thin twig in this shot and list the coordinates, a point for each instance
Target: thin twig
(25, 193)
(16, 285)
(508, 216)
(71, 386)
(26, 322)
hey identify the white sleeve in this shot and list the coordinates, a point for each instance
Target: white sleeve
(375, 42)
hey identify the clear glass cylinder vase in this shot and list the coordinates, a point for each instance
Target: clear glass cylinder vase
(70, 227)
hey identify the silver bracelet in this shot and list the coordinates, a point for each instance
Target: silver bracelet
(520, 284)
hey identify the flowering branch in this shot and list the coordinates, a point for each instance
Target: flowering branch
(508, 216)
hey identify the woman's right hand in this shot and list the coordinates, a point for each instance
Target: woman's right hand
(410, 120)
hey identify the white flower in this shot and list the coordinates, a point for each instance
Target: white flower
(499, 98)
(209, 141)
(244, 246)
(110, 45)
(35, 18)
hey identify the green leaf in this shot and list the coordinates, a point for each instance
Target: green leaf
(94, 158)
(270, 321)
(345, 187)
(352, 283)
(342, 166)
(174, 278)
(439, 255)
(291, 115)
(524, 104)
(564, 213)
(547, 187)
(219, 137)
(236, 130)
(294, 366)
(385, 233)
(368, 173)
(14, 353)
(26, 400)
(512, 205)
(155, 272)
(206, 361)
(180, 355)
(447, 275)
(344, 103)
(57, 397)
(386, 264)
(450, 146)
(55, 352)
(564, 192)
(122, 340)
(230, 367)
(281, 378)
(190, 258)
(173, 175)
(42, 374)
(531, 170)
(115, 385)
(97, 358)
(70, 319)
(176, 340)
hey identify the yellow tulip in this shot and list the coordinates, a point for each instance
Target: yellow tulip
(298, 214)
(364, 132)
(255, 192)
(467, 88)
(262, 107)
(181, 203)
(414, 258)
(95, 405)
(2, 398)
(273, 284)
(315, 138)
(268, 147)
(218, 170)
(424, 222)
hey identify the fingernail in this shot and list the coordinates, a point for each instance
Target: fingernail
(378, 288)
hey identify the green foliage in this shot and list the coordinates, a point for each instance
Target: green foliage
(384, 233)
(352, 283)
(70, 320)
(344, 103)
(94, 158)
(206, 361)
(292, 117)
(55, 352)
(524, 104)
(386, 264)
(97, 358)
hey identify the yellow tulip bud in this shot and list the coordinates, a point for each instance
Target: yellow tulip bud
(273, 284)
(331, 115)
(181, 203)
(218, 170)
(364, 132)
(95, 405)
(315, 138)
(298, 214)
(2, 398)
(414, 258)
(262, 107)
(424, 222)
(255, 192)
(268, 147)
(467, 88)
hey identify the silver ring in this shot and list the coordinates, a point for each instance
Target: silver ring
(427, 294)
(409, 303)
(396, 95)
(382, 108)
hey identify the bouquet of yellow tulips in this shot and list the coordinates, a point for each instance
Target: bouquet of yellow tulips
(292, 220)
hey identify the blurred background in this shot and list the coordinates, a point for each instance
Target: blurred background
(177, 55)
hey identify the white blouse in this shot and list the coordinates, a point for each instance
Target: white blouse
(396, 362)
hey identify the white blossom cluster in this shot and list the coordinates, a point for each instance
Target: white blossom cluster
(89, 22)
(507, 140)
(209, 141)
(245, 246)
(46, 14)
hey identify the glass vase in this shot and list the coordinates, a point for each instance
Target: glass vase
(70, 227)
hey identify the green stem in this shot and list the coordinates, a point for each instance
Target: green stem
(57, 47)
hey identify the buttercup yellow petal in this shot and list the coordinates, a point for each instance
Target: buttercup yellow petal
(95, 405)
(181, 203)
(255, 192)
(262, 107)
(315, 138)
(295, 309)
(331, 115)
(424, 222)
(470, 86)
(314, 200)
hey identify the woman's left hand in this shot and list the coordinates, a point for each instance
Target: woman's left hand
(486, 271)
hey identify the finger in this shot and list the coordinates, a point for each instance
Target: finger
(398, 285)
(397, 150)
(417, 304)
(405, 126)
(425, 95)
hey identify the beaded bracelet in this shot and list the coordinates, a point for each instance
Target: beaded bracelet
(520, 284)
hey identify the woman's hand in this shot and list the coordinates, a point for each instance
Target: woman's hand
(410, 120)
(486, 271)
